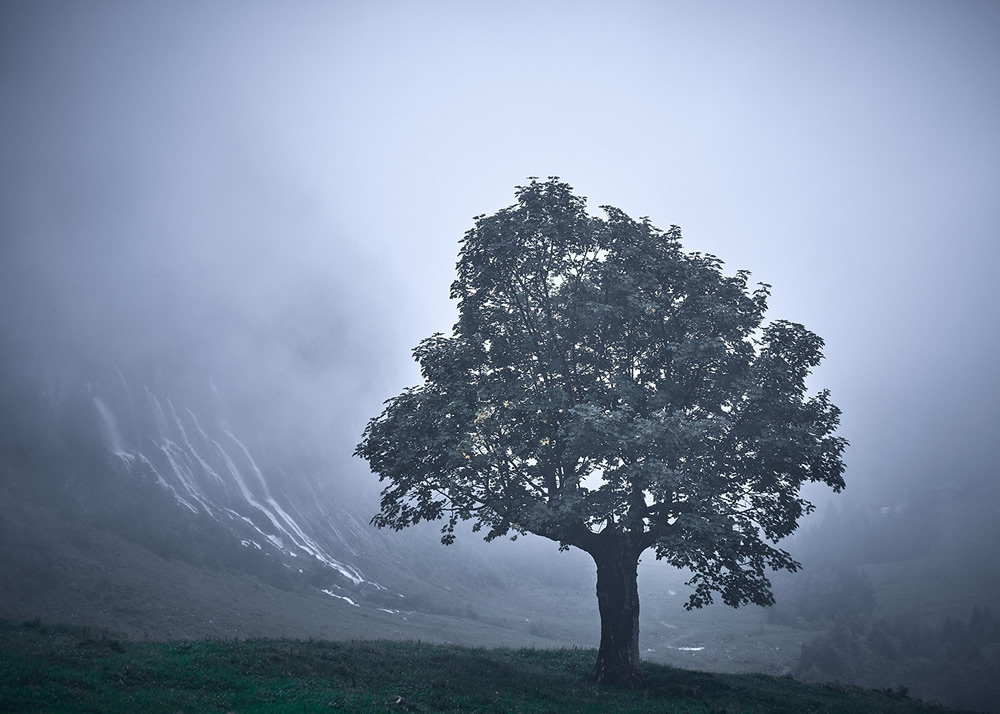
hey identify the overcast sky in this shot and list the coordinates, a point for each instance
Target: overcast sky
(292, 179)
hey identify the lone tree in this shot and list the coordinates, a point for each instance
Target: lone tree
(609, 391)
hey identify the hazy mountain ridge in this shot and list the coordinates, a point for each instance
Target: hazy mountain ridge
(129, 504)
(177, 478)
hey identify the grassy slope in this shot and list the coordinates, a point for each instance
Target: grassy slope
(66, 572)
(82, 575)
(59, 668)
(71, 573)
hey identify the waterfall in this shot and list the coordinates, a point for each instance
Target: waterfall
(190, 463)
(109, 429)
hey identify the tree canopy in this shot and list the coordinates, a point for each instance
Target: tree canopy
(603, 384)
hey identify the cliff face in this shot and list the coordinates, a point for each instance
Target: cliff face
(129, 503)
(174, 475)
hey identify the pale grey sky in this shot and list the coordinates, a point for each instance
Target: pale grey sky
(292, 179)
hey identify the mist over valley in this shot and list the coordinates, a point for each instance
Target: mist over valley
(224, 228)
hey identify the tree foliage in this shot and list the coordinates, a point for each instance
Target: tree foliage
(601, 380)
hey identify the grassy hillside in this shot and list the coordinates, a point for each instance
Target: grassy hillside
(60, 568)
(494, 595)
(62, 668)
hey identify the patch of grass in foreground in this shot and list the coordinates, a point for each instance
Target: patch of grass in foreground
(59, 668)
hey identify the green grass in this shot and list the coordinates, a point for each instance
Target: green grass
(62, 668)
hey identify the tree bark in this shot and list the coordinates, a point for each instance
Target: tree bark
(618, 602)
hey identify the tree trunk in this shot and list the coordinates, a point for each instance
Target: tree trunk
(618, 601)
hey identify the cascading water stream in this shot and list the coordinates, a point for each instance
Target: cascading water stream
(191, 465)
(109, 429)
